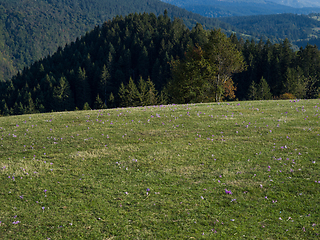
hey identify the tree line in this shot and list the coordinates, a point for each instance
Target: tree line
(144, 59)
(280, 69)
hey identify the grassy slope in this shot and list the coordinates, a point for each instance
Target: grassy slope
(161, 172)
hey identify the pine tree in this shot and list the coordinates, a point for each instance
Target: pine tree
(313, 88)
(263, 90)
(30, 107)
(143, 63)
(153, 98)
(189, 77)
(252, 91)
(104, 80)
(4, 108)
(111, 101)
(295, 82)
(99, 104)
(82, 91)
(86, 106)
(143, 92)
(123, 101)
(133, 95)
(62, 95)
(164, 96)
(17, 109)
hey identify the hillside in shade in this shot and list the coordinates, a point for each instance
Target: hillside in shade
(128, 62)
(138, 45)
(30, 30)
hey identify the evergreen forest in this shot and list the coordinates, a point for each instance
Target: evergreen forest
(299, 29)
(33, 29)
(140, 59)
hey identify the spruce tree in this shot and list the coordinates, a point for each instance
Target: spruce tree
(153, 98)
(263, 90)
(86, 106)
(143, 92)
(111, 101)
(104, 80)
(4, 108)
(123, 99)
(30, 107)
(133, 95)
(252, 91)
(62, 95)
(82, 89)
(99, 104)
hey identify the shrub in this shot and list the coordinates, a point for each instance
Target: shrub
(287, 96)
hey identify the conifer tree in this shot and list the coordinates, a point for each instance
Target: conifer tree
(86, 106)
(30, 108)
(82, 89)
(189, 76)
(143, 92)
(123, 101)
(17, 109)
(263, 90)
(295, 82)
(133, 95)
(164, 96)
(252, 91)
(104, 80)
(99, 104)
(62, 95)
(111, 101)
(153, 97)
(4, 108)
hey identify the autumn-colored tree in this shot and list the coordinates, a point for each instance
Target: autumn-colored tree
(229, 90)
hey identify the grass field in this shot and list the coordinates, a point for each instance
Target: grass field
(238, 170)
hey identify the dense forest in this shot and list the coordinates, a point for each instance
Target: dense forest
(129, 61)
(32, 29)
(276, 71)
(299, 29)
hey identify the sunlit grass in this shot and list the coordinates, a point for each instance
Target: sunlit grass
(163, 172)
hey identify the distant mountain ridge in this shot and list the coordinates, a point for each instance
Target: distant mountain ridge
(228, 8)
(298, 4)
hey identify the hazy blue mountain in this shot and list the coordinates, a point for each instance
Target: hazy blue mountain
(299, 3)
(227, 8)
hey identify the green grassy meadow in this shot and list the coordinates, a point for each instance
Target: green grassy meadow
(238, 170)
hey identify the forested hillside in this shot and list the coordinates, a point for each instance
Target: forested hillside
(32, 29)
(138, 45)
(299, 29)
(129, 61)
